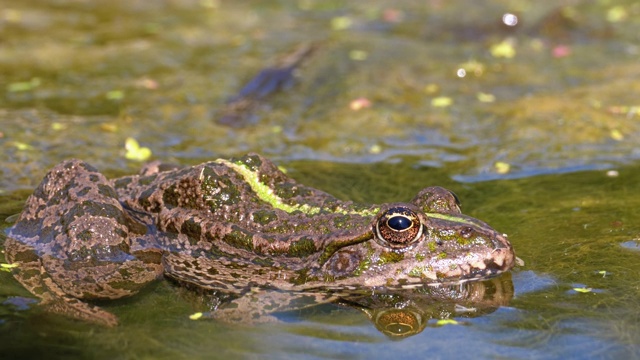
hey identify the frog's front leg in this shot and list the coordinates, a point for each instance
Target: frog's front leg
(34, 277)
(74, 241)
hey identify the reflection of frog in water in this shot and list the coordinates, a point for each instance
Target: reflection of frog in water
(232, 226)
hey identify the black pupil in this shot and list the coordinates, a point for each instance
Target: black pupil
(399, 223)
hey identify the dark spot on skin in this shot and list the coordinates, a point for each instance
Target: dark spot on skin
(94, 178)
(253, 162)
(29, 228)
(92, 208)
(147, 180)
(122, 182)
(170, 197)
(286, 190)
(26, 256)
(391, 257)
(84, 191)
(302, 248)
(107, 191)
(97, 254)
(171, 228)
(104, 210)
(303, 277)
(192, 229)
(84, 166)
(221, 190)
(143, 200)
(85, 236)
(149, 257)
(264, 262)
(264, 217)
(239, 238)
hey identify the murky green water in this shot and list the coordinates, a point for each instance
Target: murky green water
(525, 139)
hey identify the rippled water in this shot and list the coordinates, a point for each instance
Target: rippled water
(528, 139)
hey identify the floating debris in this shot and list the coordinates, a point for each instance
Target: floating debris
(146, 83)
(617, 14)
(341, 23)
(441, 101)
(502, 167)
(135, 151)
(196, 316)
(115, 95)
(23, 86)
(57, 126)
(505, 49)
(560, 51)
(21, 146)
(358, 55)
(485, 97)
(442, 322)
(582, 290)
(616, 135)
(359, 104)
(7, 267)
(392, 15)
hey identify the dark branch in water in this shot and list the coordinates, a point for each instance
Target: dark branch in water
(239, 109)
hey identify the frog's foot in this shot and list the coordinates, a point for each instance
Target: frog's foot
(261, 305)
(207, 273)
(75, 242)
(32, 275)
(77, 309)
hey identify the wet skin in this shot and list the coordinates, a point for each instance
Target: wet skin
(232, 225)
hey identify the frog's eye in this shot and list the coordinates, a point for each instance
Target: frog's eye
(398, 227)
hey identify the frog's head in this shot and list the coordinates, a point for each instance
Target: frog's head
(425, 241)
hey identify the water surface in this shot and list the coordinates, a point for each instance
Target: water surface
(526, 138)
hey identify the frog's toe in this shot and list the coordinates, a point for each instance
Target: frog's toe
(74, 308)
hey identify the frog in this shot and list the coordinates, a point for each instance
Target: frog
(233, 226)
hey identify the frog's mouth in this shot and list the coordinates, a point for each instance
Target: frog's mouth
(476, 262)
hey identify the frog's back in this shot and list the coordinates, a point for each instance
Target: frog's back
(243, 209)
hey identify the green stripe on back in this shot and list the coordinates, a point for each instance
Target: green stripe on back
(266, 194)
